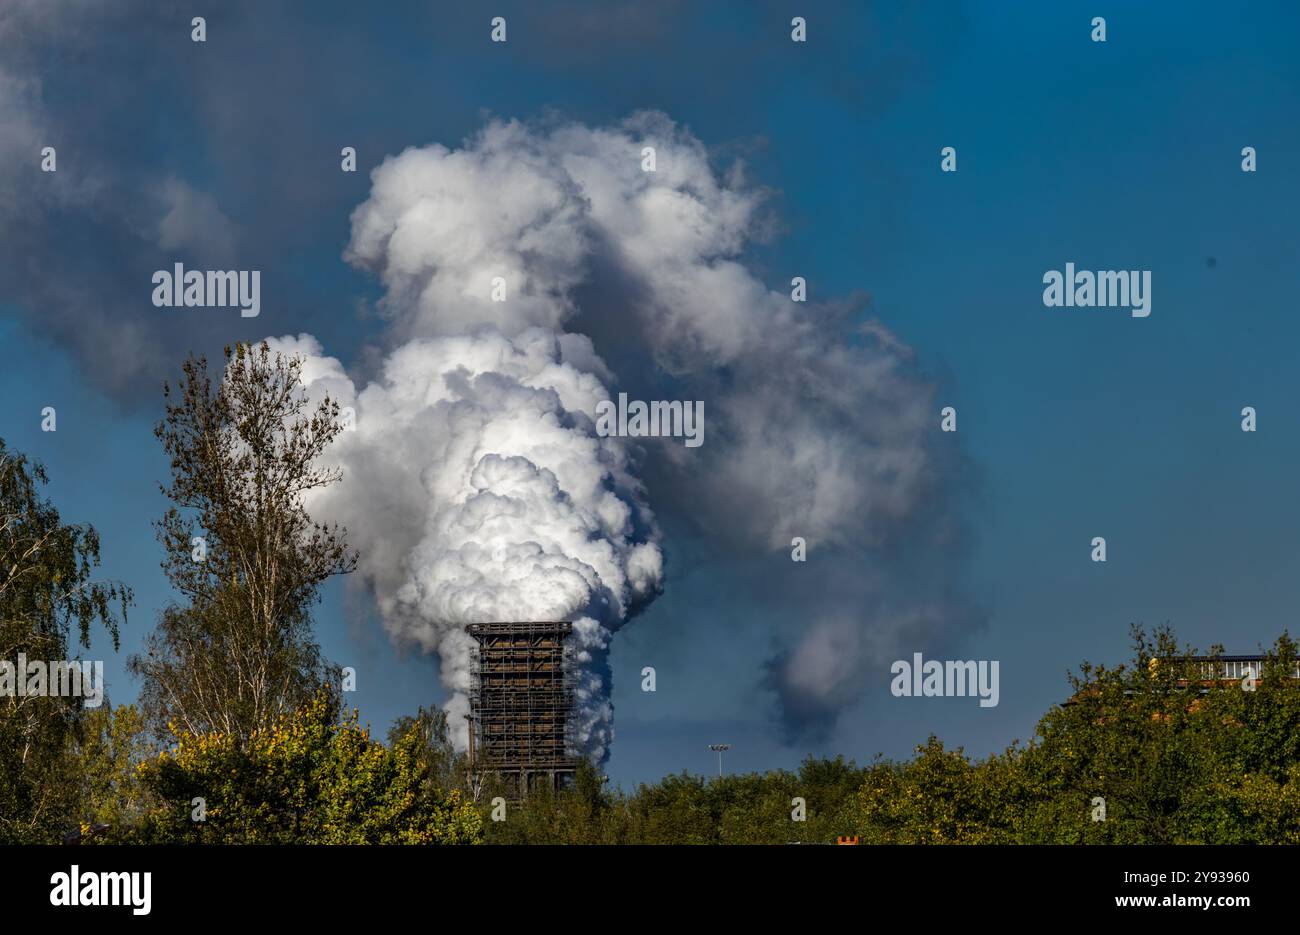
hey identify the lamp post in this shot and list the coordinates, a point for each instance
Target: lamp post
(718, 748)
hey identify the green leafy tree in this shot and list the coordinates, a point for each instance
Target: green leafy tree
(684, 809)
(937, 798)
(241, 547)
(109, 746)
(48, 600)
(1177, 753)
(442, 767)
(309, 777)
(1156, 750)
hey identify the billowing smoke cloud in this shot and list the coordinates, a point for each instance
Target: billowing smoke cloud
(477, 490)
(476, 486)
(818, 425)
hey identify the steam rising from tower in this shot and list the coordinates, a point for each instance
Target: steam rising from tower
(475, 484)
(477, 491)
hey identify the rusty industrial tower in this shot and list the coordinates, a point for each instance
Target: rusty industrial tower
(520, 704)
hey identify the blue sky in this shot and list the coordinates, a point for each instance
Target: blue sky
(1073, 423)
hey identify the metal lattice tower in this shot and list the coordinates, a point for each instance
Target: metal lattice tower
(521, 703)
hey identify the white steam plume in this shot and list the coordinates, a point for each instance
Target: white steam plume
(475, 485)
(476, 490)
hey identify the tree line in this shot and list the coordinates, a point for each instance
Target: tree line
(240, 734)
(1146, 752)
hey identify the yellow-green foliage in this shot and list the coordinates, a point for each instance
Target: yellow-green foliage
(310, 778)
(110, 745)
(1175, 760)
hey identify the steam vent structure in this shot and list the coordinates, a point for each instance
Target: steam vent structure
(520, 703)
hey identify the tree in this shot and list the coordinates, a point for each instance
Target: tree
(309, 777)
(1153, 750)
(753, 808)
(108, 748)
(934, 799)
(1178, 754)
(241, 547)
(47, 593)
(436, 758)
(1131, 736)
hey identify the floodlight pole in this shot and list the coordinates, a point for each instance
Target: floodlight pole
(718, 748)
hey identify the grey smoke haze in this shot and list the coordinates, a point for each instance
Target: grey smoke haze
(171, 151)
(90, 80)
(476, 487)
(820, 426)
